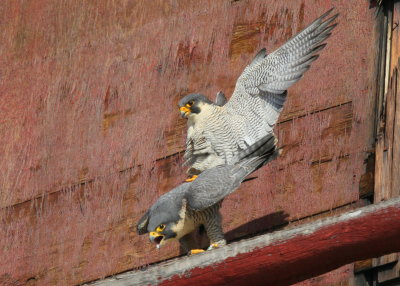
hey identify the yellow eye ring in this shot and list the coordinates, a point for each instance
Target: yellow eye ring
(160, 228)
(190, 103)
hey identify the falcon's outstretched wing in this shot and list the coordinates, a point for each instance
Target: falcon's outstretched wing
(271, 75)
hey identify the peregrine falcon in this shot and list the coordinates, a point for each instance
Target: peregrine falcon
(216, 134)
(182, 210)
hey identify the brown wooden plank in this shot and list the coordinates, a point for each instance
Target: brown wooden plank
(362, 265)
(390, 272)
(337, 277)
(390, 169)
(387, 151)
(395, 37)
(396, 135)
(381, 27)
(367, 180)
(387, 170)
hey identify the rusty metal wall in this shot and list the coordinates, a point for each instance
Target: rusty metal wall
(90, 133)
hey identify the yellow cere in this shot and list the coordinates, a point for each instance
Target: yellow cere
(184, 109)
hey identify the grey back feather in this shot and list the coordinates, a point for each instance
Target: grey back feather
(215, 184)
(220, 99)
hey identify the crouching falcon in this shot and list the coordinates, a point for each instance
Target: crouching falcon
(176, 214)
(217, 133)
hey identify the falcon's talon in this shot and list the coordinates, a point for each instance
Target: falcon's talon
(213, 246)
(191, 179)
(196, 251)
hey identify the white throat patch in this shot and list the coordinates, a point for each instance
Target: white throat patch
(185, 225)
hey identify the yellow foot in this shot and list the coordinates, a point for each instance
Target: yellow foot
(196, 251)
(213, 246)
(191, 179)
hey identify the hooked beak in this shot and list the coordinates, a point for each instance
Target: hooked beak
(184, 111)
(156, 238)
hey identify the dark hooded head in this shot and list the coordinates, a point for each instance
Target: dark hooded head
(191, 104)
(164, 220)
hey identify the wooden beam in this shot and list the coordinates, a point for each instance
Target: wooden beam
(388, 132)
(283, 257)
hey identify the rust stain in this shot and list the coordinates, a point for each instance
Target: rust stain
(271, 26)
(210, 53)
(244, 39)
(187, 54)
(288, 20)
(83, 174)
(35, 168)
(300, 26)
(86, 244)
(110, 119)
(81, 265)
(111, 95)
(317, 175)
(173, 136)
(134, 178)
(343, 124)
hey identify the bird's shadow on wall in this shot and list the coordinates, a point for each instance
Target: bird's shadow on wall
(260, 225)
(267, 223)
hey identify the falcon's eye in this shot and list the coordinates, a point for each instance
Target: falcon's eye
(160, 227)
(190, 103)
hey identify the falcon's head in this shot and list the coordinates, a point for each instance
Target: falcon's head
(192, 104)
(165, 221)
(163, 233)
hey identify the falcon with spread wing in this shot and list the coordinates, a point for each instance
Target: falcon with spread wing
(217, 133)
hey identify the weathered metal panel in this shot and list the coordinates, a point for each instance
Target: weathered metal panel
(88, 102)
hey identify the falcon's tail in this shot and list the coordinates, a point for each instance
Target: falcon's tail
(248, 166)
(264, 149)
(257, 155)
